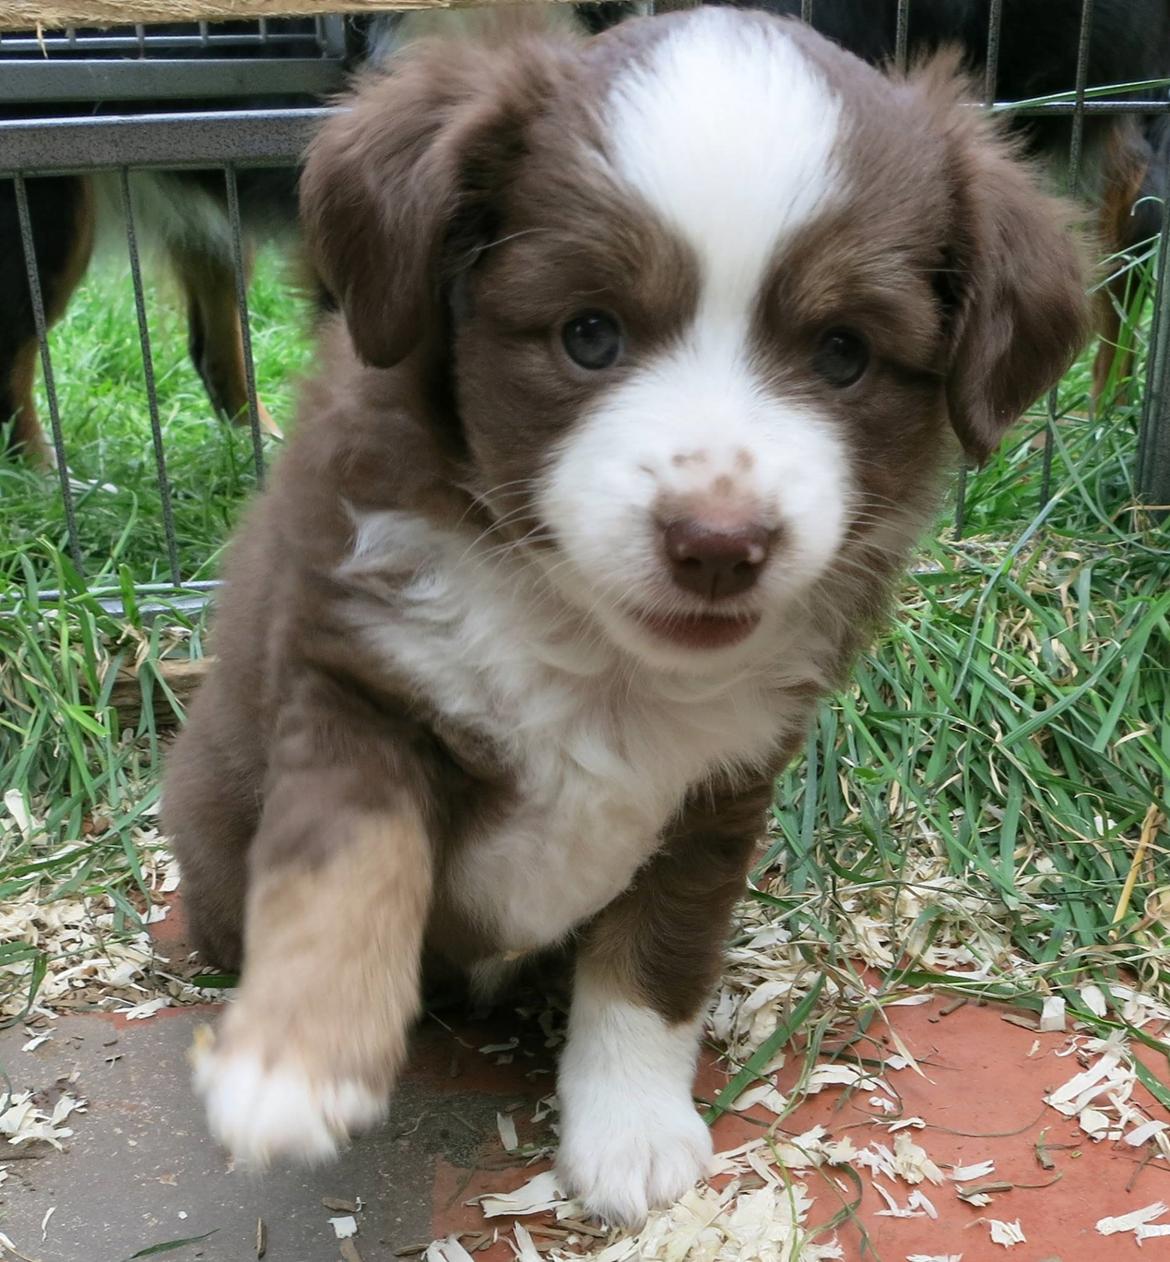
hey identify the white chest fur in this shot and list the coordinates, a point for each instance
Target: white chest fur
(602, 749)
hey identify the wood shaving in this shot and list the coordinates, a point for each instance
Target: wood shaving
(525, 1250)
(1134, 1220)
(1147, 1130)
(24, 1121)
(535, 1197)
(142, 1011)
(726, 1226)
(1052, 1015)
(764, 1096)
(447, 1250)
(1006, 1234)
(89, 964)
(980, 1170)
(507, 1128)
(1094, 999)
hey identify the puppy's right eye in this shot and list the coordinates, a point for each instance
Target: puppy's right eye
(842, 358)
(593, 340)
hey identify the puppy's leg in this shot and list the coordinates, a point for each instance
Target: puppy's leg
(61, 210)
(339, 887)
(18, 367)
(215, 336)
(631, 1140)
(209, 812)
(1124, 226)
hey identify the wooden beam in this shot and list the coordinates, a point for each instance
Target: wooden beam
(182, 676)
(53, 15)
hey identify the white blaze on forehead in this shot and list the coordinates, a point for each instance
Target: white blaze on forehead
(731, 134)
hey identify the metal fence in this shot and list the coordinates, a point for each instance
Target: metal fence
(49, 82)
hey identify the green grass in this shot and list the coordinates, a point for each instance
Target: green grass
(1012, 725)
(98, 370)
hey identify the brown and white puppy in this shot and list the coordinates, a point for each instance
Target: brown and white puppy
(655, 349)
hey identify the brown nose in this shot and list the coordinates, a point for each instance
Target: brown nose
(714, 561)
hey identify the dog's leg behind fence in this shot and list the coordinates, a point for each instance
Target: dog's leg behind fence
(60, 212)
(215, 335)
(41, 321)
(241, 282)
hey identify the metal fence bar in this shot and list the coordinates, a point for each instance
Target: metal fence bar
(1076, 146)
(204, 138)
(28, 245)
(994, 33)
(806, 8)
(133, 43)
(990, 79)
(902, 35)
(330, 32)
(208, 138)
(160, 459)
(167, 78)
(1153, 465)
(1077, 141)
(233, 195)
(961, 498)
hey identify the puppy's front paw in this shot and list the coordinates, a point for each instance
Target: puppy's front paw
(264, 1112)
(633, 1155)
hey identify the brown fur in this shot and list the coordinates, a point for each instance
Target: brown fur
(364, 983)
(457, 231)
(661, 943)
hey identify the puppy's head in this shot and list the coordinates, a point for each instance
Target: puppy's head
(707, 300)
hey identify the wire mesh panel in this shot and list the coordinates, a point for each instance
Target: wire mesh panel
(225, 103)
(186, 116)
(311, 37)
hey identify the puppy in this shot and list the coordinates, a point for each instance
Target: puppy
(654, 352)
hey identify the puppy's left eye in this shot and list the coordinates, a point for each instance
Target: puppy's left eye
(842, 357)
(593, 339)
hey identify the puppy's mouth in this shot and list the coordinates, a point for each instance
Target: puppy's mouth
(699, 630)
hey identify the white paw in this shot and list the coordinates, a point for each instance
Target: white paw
(260, 1114)
(636, 1155)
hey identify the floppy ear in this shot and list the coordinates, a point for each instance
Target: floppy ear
(398, 186)
(1016, 284)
